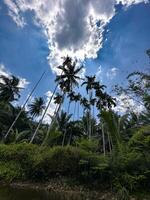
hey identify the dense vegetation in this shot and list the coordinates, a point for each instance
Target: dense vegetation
(101, 148)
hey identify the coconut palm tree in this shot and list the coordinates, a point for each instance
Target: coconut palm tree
(9, 88)
(36, 107)
(92, 102)
(25, 103)
(63, 121)
(58, 100)
(114, 125)
(89, 82)
(66, 81)
(75, 98)
(69, 77)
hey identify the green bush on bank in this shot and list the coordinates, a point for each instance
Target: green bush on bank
(28, 162)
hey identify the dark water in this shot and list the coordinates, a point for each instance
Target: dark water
(7, 193)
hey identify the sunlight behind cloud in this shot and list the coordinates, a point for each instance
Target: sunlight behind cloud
(73, 28)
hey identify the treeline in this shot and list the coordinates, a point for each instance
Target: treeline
(99, 147)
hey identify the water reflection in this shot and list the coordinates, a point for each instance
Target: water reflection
(7, 193)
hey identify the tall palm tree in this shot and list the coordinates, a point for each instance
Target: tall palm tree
(66, 80)
(36, 107)
(89, 82)
(76, 98)
(69, 77)
(58, 99)
(25, 103)
(114, 124)
(63, 124)
(9, 88)
(92, 102)
(85, 104)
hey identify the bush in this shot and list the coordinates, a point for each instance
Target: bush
(88, 145)
(127, 169)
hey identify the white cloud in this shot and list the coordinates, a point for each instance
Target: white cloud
(112, 73)
(131, 2)
(70, 25)
(3, 71)
(126, 103)
(99, 73)
(51, 109)
(14, 12)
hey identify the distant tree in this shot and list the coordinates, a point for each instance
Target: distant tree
(9, 88)
(36, 107)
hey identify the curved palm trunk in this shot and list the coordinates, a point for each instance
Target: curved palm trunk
(50, 125)
(103, 136)
(70, 138)
(78, 110)
(64, 136)
(10, 128)
(40, 122)
(90, 121)
(109, 142)
(56, 114)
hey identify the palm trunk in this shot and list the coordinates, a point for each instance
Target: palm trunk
(49, 128)
(64, 136)
(78, 110)
(92, 128)
(103, 136)
(109, 142)
(74, 111)
(90, 121)
(40, 122)
(23, 107)
(70, 138)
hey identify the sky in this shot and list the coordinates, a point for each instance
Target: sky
(110, 37)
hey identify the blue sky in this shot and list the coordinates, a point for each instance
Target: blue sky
(25, 48)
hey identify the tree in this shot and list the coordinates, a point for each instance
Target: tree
(25, 103)
(66, 80)
(69, 76)
(89, 82)
(63, 120)
(36, 107)
(9, 88)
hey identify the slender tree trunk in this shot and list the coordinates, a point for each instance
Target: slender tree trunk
(70, 137)
(90, 121)
(103, 136)
(23, 107)
(50, 126)
(64, 136)
(74, 111)
(92, 128)
(78, 110)
(40, 122)
(109, 142)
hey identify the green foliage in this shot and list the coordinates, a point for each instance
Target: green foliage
(10, 171)
(87, 145)
(123, 194)
(141, 139)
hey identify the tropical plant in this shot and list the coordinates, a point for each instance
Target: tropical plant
(36, 107)
(9, 88)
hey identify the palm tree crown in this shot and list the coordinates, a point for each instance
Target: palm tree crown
(9, 88)
(69, 76)
(36, 107)
(90, 81)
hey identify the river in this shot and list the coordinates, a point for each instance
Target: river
(10, 193)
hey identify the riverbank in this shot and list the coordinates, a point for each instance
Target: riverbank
(62, 187)
(71, 169)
